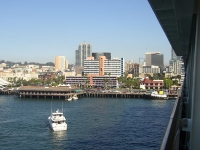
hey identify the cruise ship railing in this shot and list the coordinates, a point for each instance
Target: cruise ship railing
(172, 133)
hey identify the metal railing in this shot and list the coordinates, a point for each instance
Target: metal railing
(172, 133)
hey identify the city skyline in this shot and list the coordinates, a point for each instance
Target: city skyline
(47, 29)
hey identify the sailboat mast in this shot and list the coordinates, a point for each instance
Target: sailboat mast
(51, 107)
(62, 106)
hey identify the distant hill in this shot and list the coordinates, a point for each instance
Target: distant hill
(10, 63)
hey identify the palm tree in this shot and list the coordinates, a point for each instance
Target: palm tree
(109, 77)
(120, 79)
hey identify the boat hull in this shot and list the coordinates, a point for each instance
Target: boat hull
(56, 126)
(155, 97)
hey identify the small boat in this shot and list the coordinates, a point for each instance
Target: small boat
(69, 99)
(156, 95)
(75, 97)
(57, 121)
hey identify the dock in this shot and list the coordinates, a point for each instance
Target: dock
(66, 92)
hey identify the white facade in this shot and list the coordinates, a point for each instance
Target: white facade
(91, 66)
(150, 69)
(114, 67)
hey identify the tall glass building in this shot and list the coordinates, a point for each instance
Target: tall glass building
(84, 51)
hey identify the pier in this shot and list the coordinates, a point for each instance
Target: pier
(66, 92)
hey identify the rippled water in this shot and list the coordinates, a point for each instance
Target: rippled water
(93, 123)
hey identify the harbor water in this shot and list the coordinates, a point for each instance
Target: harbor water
(93, 123)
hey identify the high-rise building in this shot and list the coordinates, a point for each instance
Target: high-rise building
(131, 67)
(155, 59)
(96, 55)
(60, 63)
(103, 66)
(176, 65)
(84, 51)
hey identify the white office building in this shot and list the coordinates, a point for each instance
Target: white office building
(114, 67)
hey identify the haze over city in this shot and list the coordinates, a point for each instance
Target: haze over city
(37, 31)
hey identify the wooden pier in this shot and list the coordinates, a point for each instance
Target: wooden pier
(66, 92)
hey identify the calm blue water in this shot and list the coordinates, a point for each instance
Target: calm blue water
(93, 123)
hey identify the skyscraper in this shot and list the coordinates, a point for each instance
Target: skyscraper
(84, 51)
(176, 64)
(156, 59)
(60, 63)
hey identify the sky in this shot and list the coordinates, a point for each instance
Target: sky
(39, 30)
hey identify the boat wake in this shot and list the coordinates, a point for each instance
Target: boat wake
(9, 121)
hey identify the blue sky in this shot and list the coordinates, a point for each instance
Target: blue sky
(39, 30)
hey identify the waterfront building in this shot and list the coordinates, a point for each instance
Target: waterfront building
(92, 80)
(84, 50)
(152, 84)
(155, 59)
(77, 80)
(96, 55)
(104, 81)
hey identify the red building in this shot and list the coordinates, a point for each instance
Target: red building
(153, 84)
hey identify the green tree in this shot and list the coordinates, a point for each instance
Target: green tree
(155, 76)
(137, 83)
(130, 82)
(167, 83)
(175, 82)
